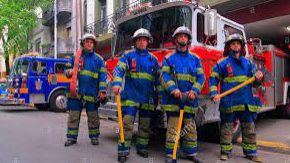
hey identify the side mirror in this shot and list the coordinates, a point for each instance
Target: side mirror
(210, 22)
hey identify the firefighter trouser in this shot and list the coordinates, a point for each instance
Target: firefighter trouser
(75, 107)
(129, 110)
(247, 119)
(188, 134)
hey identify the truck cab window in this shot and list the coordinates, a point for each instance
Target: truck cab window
(201, 37)
(59, 68)
(39, 67)
(228, 30)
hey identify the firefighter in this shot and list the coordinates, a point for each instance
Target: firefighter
(91, 88)
(231, 71)
(141, 71)
(182, 77)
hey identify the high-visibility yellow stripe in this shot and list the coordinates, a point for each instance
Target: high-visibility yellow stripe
(72, 132)
(235, 79)
(117, 79)
(94, 132)
(189, 144)
(215, 75)
(122, 65)
(213, 88)
(199, 71)
(250, 146)
(102, 69)
(159, 88)
(175, 108)
(254, 108)
(89, 73)
(102, 84)
(197, 86)
(166, 69)
(227, 147)
(86, 98)
(142, 141)
(129, 103)
(186, 77)
(233, 108)
(89, 98)
(169, 145)
(147, 107)
(169, 84)
(141, 75)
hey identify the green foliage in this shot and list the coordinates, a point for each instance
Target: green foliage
(20, 17)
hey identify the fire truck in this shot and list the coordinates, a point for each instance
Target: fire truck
(209, 31)
(36, 81)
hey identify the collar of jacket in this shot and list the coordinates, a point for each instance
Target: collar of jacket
(182, 53)
(88, 53)
(142, 52)
(231, 55)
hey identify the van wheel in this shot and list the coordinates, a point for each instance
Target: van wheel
(58, 101)
(41, 106)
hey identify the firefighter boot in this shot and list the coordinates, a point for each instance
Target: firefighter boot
(70, 143)
(168, 160)
(95, 141)
(194, 159)
(254, 158)
(224, 157)
(143, 153)
(122, 156)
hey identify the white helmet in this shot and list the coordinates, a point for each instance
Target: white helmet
(182, 30)
(142, 32)
(88, 36)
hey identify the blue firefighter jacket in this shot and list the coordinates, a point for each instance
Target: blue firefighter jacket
(232, 72)
(92, 75)
(141, 71)
(189, 76)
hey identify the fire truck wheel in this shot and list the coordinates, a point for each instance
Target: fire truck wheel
(57, 102)
(41, 106)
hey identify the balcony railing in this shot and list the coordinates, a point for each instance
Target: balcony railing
(64, 11)
(107, 25)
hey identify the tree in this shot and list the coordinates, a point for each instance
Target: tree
(20, 17)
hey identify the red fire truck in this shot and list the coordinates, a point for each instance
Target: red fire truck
(209, 31)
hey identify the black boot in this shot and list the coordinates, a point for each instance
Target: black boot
(122, 156)
(194, 159)
(70, 143)
(143, 153)
(95, 141)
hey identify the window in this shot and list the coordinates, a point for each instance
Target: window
(20, 66)
(59, 68)
(201, 37)
(68, 32)
(228, 30)
(37, 45)
(39, 67)
(161, 24)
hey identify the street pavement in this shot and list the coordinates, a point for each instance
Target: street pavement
(33, 136)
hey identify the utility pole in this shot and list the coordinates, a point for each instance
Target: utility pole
(55, 29)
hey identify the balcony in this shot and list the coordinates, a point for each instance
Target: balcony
(64, 48)
(64, 12)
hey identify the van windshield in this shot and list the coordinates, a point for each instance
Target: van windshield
(20, 67)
